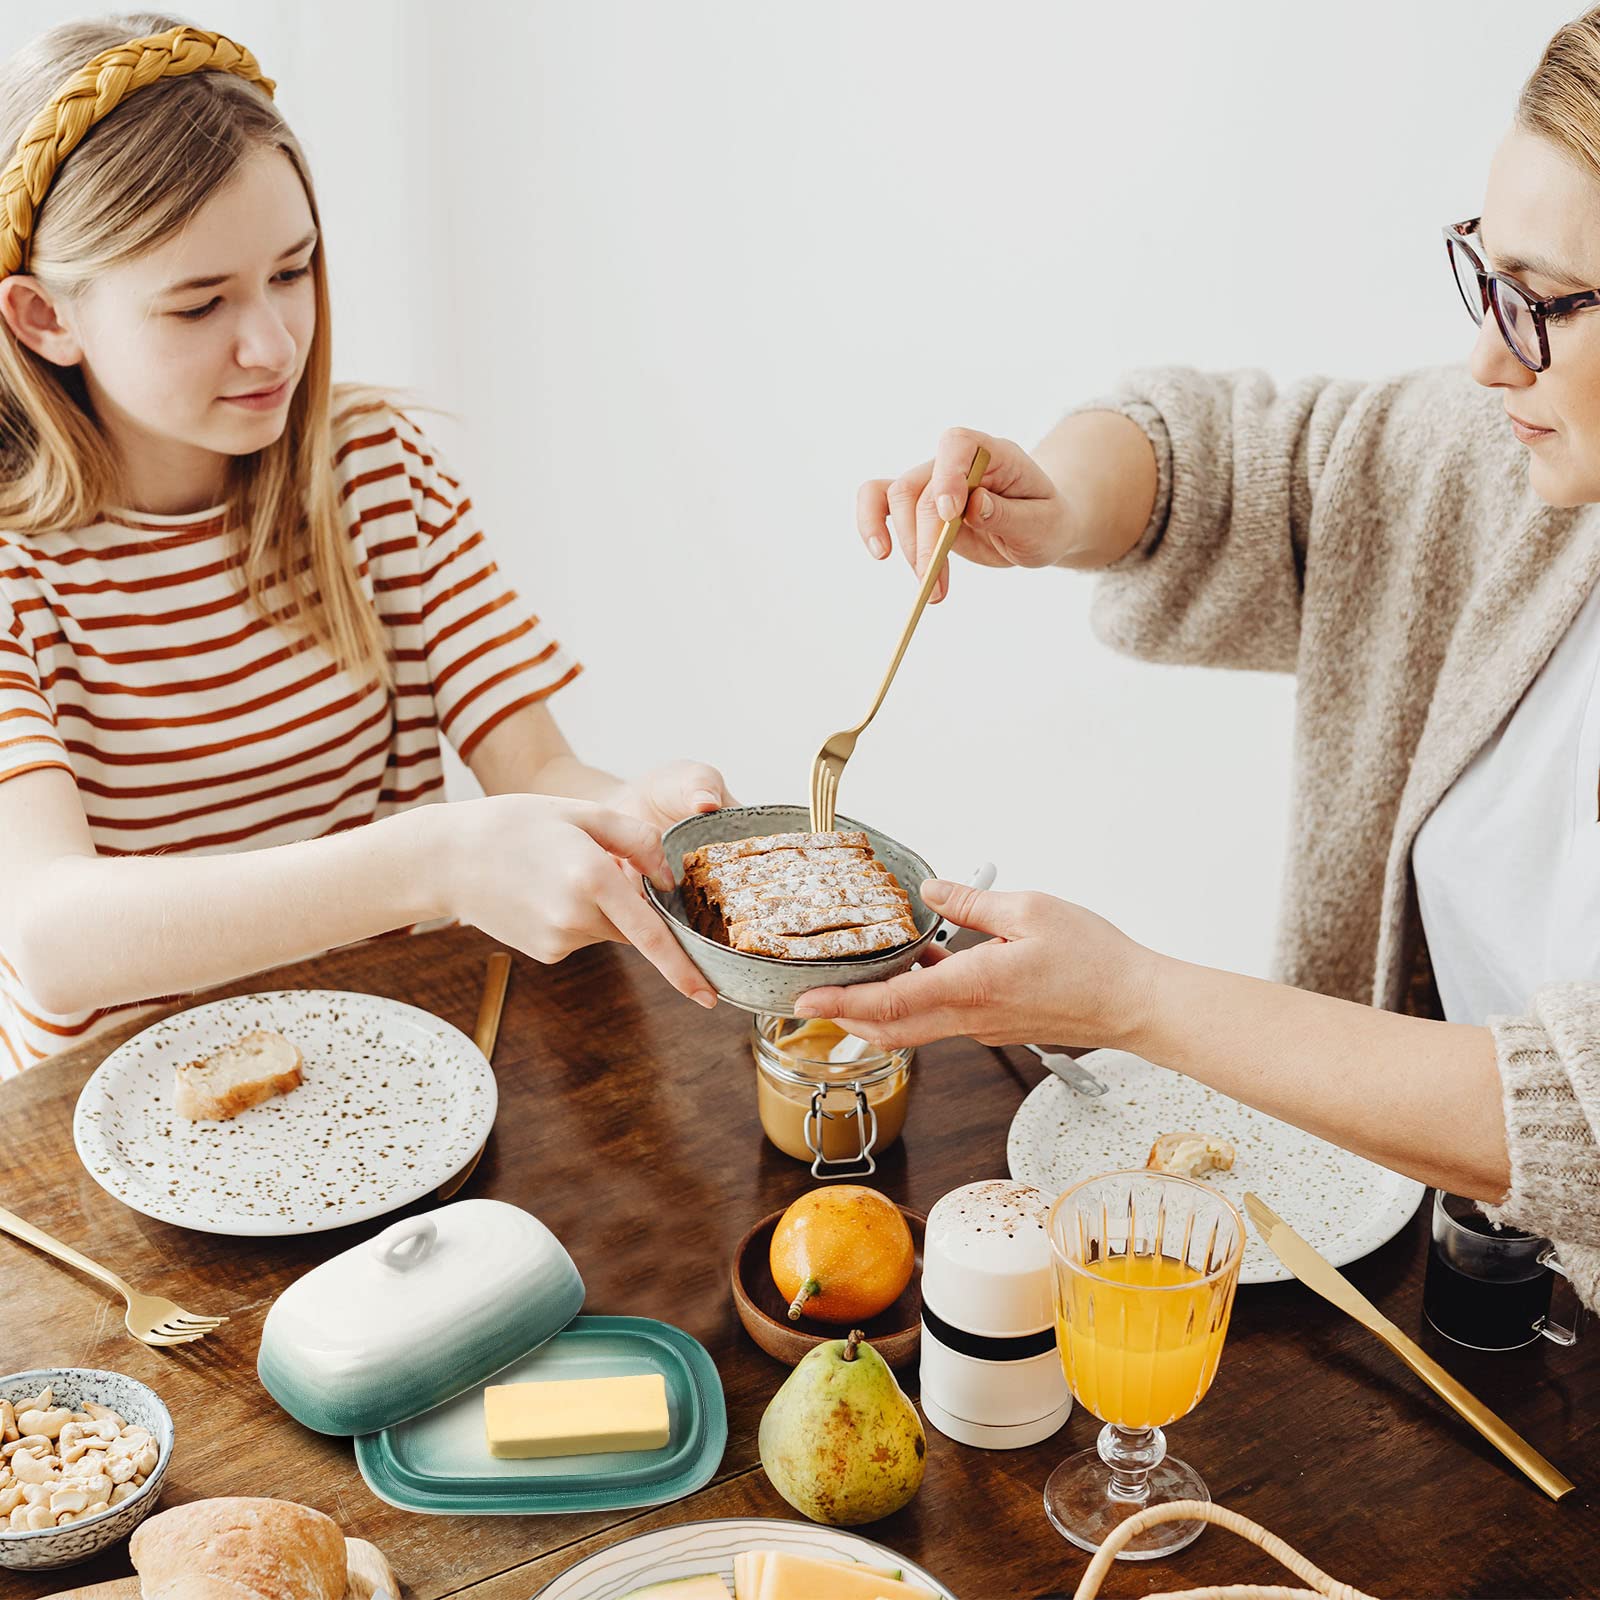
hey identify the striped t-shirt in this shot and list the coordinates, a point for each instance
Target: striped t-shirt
(131, 657)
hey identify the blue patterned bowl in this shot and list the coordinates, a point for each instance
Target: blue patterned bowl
(135, 1403)
(766, 984)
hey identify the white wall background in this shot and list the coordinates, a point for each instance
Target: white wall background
(685, 274)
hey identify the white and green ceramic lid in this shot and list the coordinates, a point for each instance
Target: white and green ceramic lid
(402, 1322)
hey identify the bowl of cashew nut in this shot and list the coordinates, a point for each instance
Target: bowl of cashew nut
(82, 1456)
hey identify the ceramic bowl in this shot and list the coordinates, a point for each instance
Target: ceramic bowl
(135, 1403)
(766, 984)
(895, 1333)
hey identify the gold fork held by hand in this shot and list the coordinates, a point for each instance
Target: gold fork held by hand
(828, 767)
(150, 1318)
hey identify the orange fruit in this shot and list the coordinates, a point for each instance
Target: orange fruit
(841, 1254)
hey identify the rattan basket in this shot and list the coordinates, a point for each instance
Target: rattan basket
(1322, 1587)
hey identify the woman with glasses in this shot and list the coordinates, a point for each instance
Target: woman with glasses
(1423, 555)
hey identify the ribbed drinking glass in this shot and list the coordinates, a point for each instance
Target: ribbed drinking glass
(1145, 1266)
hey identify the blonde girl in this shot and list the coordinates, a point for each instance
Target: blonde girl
(241, 609)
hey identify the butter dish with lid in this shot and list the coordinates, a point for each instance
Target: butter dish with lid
(394, 1341)
(428, 1308)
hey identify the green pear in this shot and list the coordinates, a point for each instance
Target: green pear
(840, 1441)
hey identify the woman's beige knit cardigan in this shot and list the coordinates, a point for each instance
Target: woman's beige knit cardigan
(1381, 543)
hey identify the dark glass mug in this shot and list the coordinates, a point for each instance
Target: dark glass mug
(1489, 1287)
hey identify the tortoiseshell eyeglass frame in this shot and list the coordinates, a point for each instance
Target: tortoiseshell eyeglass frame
(1493, 285)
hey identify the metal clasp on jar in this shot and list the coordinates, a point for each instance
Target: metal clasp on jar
(858, 1166)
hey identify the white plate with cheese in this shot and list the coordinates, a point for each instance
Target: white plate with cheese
(393, 1101)
(1339, 1203)
(857, 1569)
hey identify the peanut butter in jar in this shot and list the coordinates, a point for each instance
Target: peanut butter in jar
(825, 1097)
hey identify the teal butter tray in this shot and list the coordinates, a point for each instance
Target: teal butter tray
(440, 1462)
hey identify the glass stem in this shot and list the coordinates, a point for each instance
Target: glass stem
(1130, 1453)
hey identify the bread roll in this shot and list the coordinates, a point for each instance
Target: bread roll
(239, 1548)
(238, 1076)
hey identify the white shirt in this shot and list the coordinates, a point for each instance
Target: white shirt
(1508, 865)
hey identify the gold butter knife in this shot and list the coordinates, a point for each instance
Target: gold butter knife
(1317, 1274)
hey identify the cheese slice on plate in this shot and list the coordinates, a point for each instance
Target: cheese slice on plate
(791, 1577)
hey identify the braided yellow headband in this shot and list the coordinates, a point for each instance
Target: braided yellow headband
(91, 93)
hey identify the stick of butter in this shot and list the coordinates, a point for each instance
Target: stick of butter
(576, 1416)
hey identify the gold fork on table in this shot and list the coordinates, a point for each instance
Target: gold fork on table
(828, 767)
(150, 1317)
(487, 1029)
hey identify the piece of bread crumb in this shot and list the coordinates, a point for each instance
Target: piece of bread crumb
(239, 1075)
(1190, 1155)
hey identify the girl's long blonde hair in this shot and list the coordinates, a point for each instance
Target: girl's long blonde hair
(135, 179)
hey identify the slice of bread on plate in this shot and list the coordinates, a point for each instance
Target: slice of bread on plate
(1188, 1155)
(239, 1075)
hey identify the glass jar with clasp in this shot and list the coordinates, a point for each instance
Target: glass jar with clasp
(827, 1097)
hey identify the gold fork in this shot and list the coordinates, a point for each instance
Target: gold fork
(828, 767)
(487, 1029)
(150, 1318)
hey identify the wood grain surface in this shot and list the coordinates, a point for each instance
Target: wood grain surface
(628, 1123)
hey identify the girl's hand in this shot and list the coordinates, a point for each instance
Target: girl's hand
(550, 876)
(1016, 517)
(1053, 972)
(668, 794)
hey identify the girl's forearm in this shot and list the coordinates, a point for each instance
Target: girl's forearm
(1419, 1097)
(106, 930)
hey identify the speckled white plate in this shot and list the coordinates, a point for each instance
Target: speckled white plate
(394, 1101)
(690, 1548)
(1337, 1202)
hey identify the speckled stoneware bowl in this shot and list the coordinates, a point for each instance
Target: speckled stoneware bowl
(766, 984)
(136, 1404)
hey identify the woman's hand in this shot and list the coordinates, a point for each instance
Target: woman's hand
(550, 876)
(1053, 972)
(668, 794)
(1016, 517)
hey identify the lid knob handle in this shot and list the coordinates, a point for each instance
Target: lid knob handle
(406, 1244)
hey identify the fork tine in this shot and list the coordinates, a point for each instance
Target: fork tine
(180, 1324)
(154, 1337)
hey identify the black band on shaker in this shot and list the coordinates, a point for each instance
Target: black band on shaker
(1019, 1347)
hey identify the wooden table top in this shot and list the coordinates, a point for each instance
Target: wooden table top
(628, 1124)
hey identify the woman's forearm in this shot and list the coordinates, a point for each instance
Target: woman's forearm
(1419, 1097)
(102, 931)
(1104, 468)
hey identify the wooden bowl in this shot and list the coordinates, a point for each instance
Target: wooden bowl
(896, 1333)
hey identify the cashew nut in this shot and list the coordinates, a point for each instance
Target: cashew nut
(49, 1423)
(40, 1402)
(17, 1522)
(34, 1442)
(8, 1420)
(68, 1500)
(10, 1499)
(122, 1491)
(102, 1413)
(121, 1471)
(106, 1428)
(146, 1459)
(37, 1494)
(39, 1517)
(30, 1469)
(97, 1488)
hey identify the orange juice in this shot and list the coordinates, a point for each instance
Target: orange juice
(1138, 1347)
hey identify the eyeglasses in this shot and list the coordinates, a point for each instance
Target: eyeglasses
(1521, 319)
